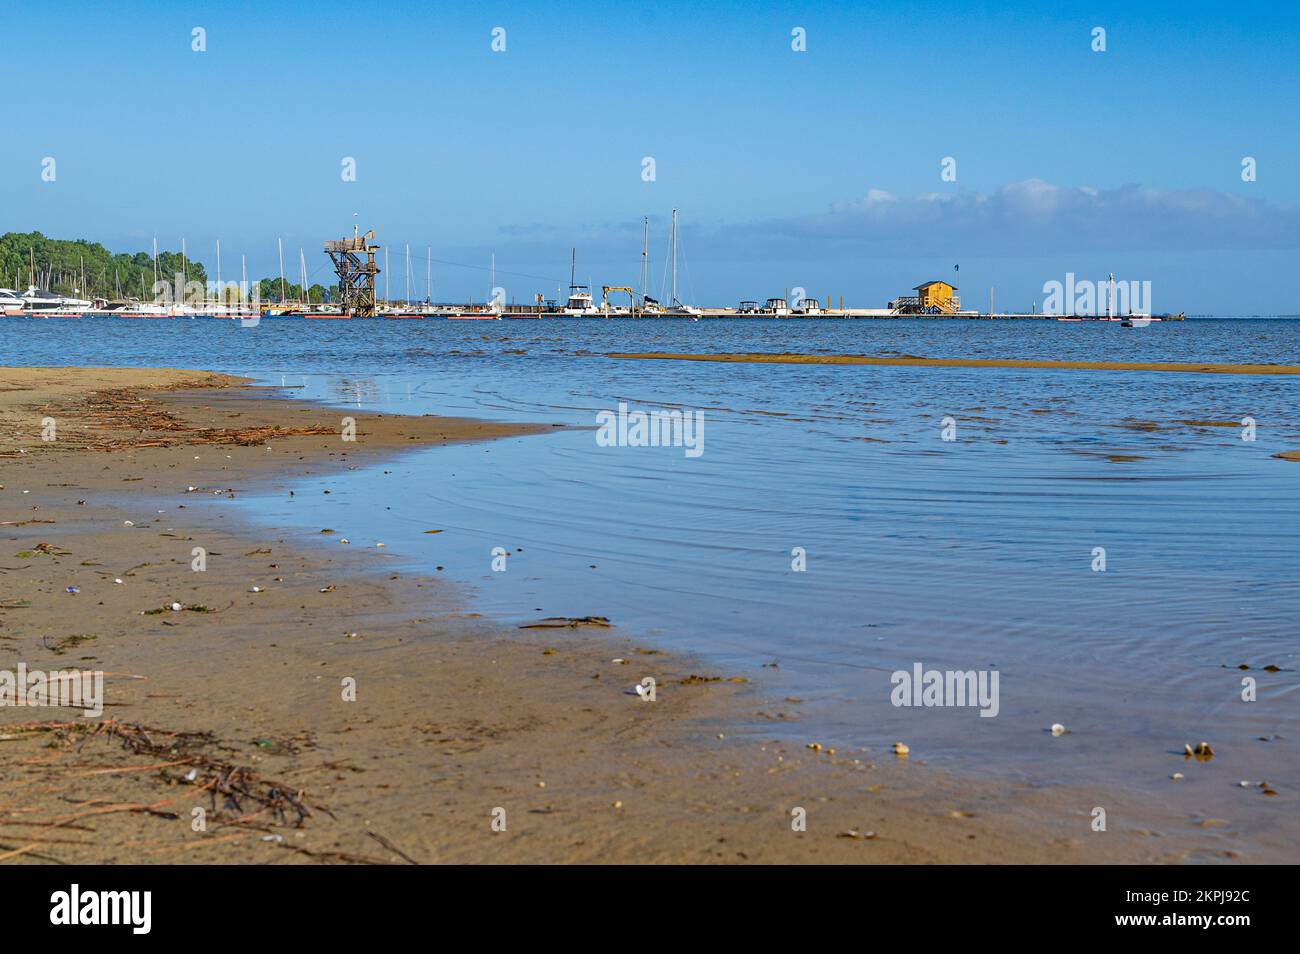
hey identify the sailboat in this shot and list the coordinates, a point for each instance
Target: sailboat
(649, 306)
(494, 307)
(676, 307)
(406, 311)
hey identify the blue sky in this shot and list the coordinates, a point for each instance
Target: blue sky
(818, 169)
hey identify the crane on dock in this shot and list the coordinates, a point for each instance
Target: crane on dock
(604, 298)
(356, 277)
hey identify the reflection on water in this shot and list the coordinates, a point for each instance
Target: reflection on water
(975, 553)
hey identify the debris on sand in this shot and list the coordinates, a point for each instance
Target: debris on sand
(1202, 752)
(568, 622)
(237, 794)
(694, 680)
(63, 644)
(125, 409)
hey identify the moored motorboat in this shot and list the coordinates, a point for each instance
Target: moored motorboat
(40, 303)
(11, 303)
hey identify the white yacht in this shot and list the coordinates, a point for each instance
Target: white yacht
(130, 308)
(580, 303)
(777, 307)
(45, 304)
(11, 303)
(807, 306)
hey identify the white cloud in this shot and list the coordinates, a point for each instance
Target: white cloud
(1033, 216)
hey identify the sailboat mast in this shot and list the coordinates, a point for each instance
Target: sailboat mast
(408, 276)
(645, 257)
(218, 266)
(674, 242)
(428, 280)
(280, 243)
(573, 267)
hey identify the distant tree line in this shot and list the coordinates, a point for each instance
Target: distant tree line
(88, 270)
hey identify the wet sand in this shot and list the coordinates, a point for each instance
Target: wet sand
(917, 362)
(235, 703)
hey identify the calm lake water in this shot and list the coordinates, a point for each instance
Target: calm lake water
(976, 553)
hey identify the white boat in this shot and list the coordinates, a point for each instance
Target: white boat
(11, 303)
(677, 307)
(44, 304)
(130, 309)
(579, 303)
(777, 307)
(807, 306)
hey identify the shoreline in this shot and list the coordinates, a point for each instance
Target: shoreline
(911, 361)
(455, 715)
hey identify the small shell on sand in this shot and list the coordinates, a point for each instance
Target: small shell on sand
(1058, 729)
(901, 749)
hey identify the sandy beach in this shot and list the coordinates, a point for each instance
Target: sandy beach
(236, 702)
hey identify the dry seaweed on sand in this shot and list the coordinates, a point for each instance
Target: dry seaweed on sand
(568, 622)
(238, 794)
(125, 409)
